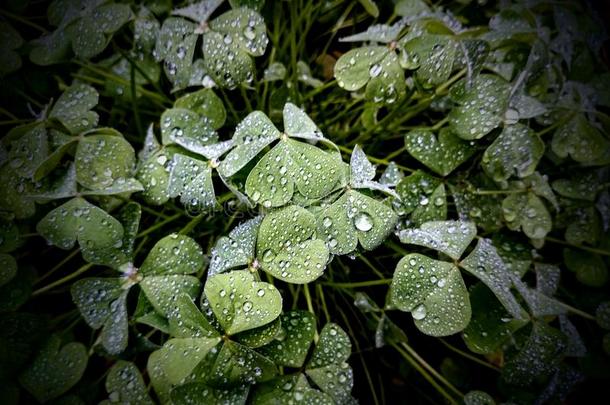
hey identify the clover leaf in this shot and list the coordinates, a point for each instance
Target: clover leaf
(240, 303)
(527, 212)
(442, 155)
(485, 264)
(124, 383)
(590, 268)
(55, 369)
(580, 140)
(72, 108)
(449, 237)
(287, 247)
(10, 40)
(434, 292)
(237, 249)
(184, 394)
(480, 107)
(291, 345)
(517, 150)
(423, 196)
(287, 389)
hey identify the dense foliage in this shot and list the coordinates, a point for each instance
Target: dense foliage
(319, 202)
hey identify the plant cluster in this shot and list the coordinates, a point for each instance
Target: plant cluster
(197, 216)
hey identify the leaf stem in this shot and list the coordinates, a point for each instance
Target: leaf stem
(469, 356)
(357, 284)
(577, 246)
(58, 265)
(63, 280)
(158, 225)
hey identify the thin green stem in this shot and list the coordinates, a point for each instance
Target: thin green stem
(188, 228)
(576, 246)
(158, 225)
(63, 280)
(469, 356)
(58, 265)
(576, 311)
(323, 301)
(23, 21)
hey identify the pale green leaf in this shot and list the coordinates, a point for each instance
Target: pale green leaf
(291, 345)
(449, 237)
(237, 249)
(205, 103)
(240, 303)
(382, 33)
(72, 108)
(442, 155)
(200, 393)
(188, 321)
(188, 129)
(191, 179)
(333, 347)
(287, 247)
(176, 47)
(173, 254)
(164, 291)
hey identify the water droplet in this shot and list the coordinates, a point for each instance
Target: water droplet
(268, 255)
(419, 312)
(375, 70)
(247, 306)
(260, 292)
(363, 222)
(327, 222)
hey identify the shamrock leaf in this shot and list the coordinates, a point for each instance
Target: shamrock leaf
(377, 33)
(188, 129)
(55, 369)
(185, 394)
(441, 156)
(287, 389)
(355, 217)
(72, 108)
(528, 212)
(237, 364)
(103, 304)
(422, 196)
(449, 237)
(79, 220)
(432, 53)
(105, 160)
(478, 398)
(480, 107)
(10, 40)
(538, 357)
(375, 67)
(28, 148)
(125, 384)
(490, 325)
(590, 268)
(291, 345)
(205, 103)
(517, 150)
(240, 303)
(485, 264)
(174, 254)
(189, 321)
(327, 367)
(579, 139)
(434, 292)
(287, 246)
(391, 176)
(191, 179)
(175, 47)
(237, 249)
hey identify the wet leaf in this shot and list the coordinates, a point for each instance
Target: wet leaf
(55, 369)
(355, 217)
(376, 33)
(287, 248)
(481, 107)
(176, 47)
(239, 365)
(490, 325)
(418, 196)
(434, 292)
(288, 389)
(449, 237)
(240, 303)
(198, 393)
(164, 291)
(188, 321)
(441, 156)
(434, 56)
(579, 139)
(602, 315)
(527, 212)
(590, 268)
(478, 398)
(125, 384)
(191, 179)
(174, 254)
(485, 264)
(516, 151)
(10, 40)
(237, 249)
(290, 347)
(72, 108)
(205, 103)
(79, 220)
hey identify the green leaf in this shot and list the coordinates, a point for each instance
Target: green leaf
(237, 249)
(382, 33)
(293, 166)
(602, 315)
(258, 337)
(336, 380)
(125, 384)
(164, 291)
(579, 139)
(79, 220)
(188, 129)
(55, 369)
(590, 268)
(416, 195)
(174, 254)
(30, 150)
(527, 212)
(490, 325)
(517, 150)
(8, 268)
(240, 303)
(275, 71)
(435, 54)
(175, 361)
(434, 292)
(188, 321)
(585, 226)
(200, 393)
(583, 186)
(485, 264)
(102, 303)
(104, 161)
(287, 389)
(245, 27)
(10, 40)
(176, 47)
(253, 134)
(333, 347)
(408, 8)
(239, 365)
(291, 345)
(355, 217)
(478, 398)
(537, 358)
(72, 108)
(391, 176)
(449, 237)
(9, 236)
(191, 179)
(484, 210)
(373, 66)
(480, 108)
(199, 11)
(287, 247)
(15, 189)
(129, 217)
(441, 156)
(205, 103)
